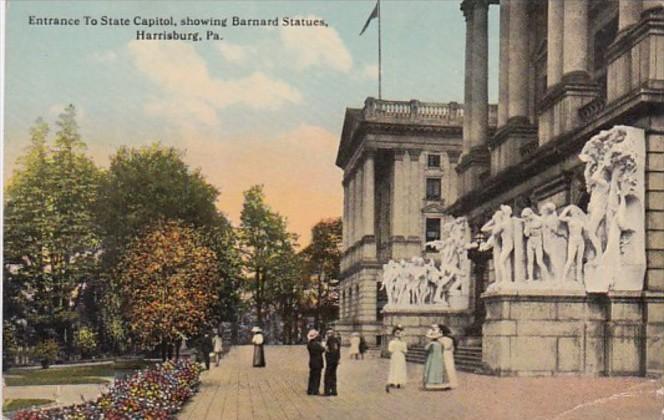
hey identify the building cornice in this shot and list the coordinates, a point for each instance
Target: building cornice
(642, 101)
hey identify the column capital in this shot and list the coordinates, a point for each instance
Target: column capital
(467, 6)
(398, 154)
(414, 154)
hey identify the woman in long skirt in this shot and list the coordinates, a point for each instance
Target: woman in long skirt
(435, 376)
(447, 341)
(397, 348)
(354, 350)
(257, 340)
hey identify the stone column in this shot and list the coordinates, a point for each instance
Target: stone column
(352, 206)
(479, 124)
(518, 59)
(368, 195)
(359, 175)
(344, 218)
(503, 67)
(629, 13)
(414, 199)
(554, 52)
(467, 84)
(398, 194)
(575, 37)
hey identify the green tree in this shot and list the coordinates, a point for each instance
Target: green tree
(168, 283)
(263, 241)
(51, 240)
(321, 268)
(154, 183)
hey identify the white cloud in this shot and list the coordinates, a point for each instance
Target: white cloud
(370, 71)
(235, 53)
(183, 75)
(316, 46)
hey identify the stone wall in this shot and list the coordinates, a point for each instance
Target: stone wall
(654, 353)
(557, 333)
(416, 323)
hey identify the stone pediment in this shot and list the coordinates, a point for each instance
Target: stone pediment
(434, 208)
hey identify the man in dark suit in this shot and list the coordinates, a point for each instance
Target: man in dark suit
(332, 356)
(316, 350)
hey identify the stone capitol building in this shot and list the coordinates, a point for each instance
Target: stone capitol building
(533, 228)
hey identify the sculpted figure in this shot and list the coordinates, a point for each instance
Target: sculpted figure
(576, 221)
(554, 240)
(505, 230)
(534, 251)
(493, 242)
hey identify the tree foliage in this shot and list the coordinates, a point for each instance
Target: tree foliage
(51, 240)
(168, 283)
(321, 260)
(265, 244)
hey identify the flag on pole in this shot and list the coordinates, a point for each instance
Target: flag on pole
(373, 15)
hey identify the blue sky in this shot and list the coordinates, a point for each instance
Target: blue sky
(262, 106)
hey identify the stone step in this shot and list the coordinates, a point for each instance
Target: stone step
(466, 358)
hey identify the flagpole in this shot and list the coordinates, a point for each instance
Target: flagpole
(380, 64)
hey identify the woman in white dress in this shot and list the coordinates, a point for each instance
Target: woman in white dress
(354, 350)
(398, 349)
(447, 341)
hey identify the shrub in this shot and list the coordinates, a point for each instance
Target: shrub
(46, 352)
(86, 341)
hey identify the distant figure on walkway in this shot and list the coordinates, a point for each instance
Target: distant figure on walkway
(363, 346)
(316, 350)
(258, 340)
(354, 350)
(435, 376)
(448, 343)
(332, 356)
(205, 347)
(397, 348)
(218, 344)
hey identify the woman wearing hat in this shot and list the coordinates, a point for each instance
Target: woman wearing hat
(449, 344)
(258, 340)
(397, 349)
(316, 350)
(435, 376)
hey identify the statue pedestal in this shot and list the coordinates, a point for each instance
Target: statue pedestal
(559, 332)
(416, 320)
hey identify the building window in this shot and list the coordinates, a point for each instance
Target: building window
(433, 188)
(433, 161)
(432, 232)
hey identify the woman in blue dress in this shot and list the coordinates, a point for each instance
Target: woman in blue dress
(435, 376)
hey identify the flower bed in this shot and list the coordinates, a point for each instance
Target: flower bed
(153, 393)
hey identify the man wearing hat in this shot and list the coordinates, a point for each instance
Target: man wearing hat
(316, 351)
(332, 356)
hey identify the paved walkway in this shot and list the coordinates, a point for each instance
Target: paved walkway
(235, 390)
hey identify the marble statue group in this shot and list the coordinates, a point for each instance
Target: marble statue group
(419, 281)
(598, 250)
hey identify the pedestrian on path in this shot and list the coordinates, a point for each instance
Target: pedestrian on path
(354, 350)
(332, 356)
(316, 350)
(218, 344)
(447, 341)
(397, 348)
(363, 346)
(435, 376)
(205, 347)
(259, 353)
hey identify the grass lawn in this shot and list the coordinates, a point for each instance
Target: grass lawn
(21, 403)
(72, 375)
